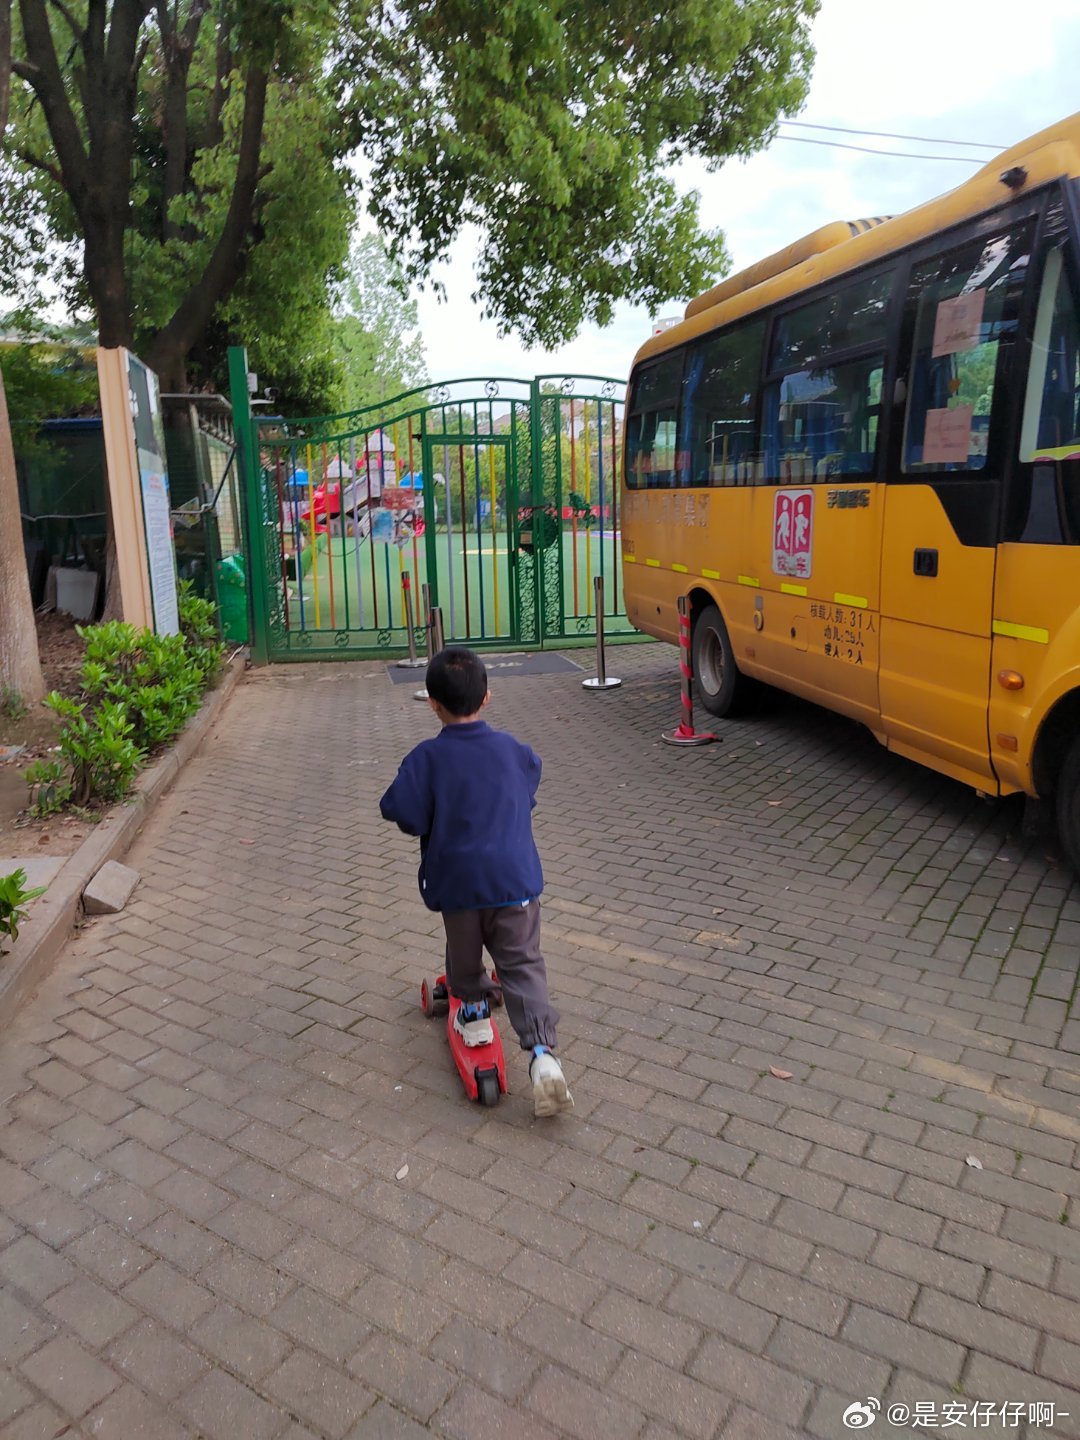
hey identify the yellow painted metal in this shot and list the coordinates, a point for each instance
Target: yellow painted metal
(1044, 157)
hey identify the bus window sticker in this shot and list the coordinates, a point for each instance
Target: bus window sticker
(958, 324)
(947, 438)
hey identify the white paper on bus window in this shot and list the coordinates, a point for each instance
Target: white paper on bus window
(957, 323)
(947, 439)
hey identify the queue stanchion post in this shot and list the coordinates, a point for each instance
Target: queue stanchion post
(412, 662)
(601, 680)
(684, 733)
(429, 646)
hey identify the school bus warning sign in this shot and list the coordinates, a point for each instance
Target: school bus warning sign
(793, 532)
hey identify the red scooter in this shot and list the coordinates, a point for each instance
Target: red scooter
(482, 1067)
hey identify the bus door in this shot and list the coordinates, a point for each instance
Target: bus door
(943, 501)
(1036, 629)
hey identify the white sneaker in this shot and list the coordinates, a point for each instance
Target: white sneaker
(550, 1091)
(474, 1032)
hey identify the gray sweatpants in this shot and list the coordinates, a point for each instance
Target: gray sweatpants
(511, 935)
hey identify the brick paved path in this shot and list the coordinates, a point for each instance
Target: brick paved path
(201, 1232)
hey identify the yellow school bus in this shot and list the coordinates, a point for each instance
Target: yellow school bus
(860, 461)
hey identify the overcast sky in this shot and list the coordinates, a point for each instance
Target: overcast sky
(976, 70)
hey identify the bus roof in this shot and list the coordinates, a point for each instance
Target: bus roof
(844, 245)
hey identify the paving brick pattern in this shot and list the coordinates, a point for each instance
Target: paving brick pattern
(207, 1105)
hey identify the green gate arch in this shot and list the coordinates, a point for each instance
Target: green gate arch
(499, 495)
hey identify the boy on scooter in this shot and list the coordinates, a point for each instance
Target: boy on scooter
(469, 794)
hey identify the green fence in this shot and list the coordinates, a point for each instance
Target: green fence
(499, 495)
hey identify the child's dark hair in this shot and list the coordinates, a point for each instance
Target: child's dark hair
(457, 679)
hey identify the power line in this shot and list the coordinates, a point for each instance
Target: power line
(887, 135)
(866, 150)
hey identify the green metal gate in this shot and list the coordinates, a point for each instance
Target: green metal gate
(499, 495)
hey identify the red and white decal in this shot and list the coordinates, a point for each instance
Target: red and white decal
(793, 532)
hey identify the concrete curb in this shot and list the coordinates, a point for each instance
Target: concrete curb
(52, 918)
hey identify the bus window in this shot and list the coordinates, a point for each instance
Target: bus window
(651, 421)
(720, 406)
(964, 307)
(822, 424)
(821, 414)
(1047, 502)
(849, 319)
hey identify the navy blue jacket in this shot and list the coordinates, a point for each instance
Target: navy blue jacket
(469, 794)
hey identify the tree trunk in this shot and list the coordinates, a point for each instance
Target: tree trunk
(20, 664)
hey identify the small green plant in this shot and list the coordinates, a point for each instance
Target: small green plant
(50, 786)
(200, 627)
(14, 898)
(100, 750)
(139, 690)
(12, 704)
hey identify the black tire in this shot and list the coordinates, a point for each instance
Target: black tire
(487, 1089)
(440, 1000)
(721, 687)
(1068, 806)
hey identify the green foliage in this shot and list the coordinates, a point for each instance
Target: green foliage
(50, 787)
(14, 897)
(548, 131)
(552, 130)
(379, 357)
(12, 704)
(45, 379)
(200, 627)
(138, 692)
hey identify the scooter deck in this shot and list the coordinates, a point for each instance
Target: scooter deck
(482, 1067)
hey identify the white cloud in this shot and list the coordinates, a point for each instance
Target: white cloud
(954, 69)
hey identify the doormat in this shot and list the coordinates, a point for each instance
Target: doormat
(500, 667)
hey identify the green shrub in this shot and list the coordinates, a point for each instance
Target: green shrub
(12, 704)
(50, 786)
(14, 898)
(138, 692)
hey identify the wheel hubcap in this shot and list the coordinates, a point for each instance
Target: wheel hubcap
(711, 662)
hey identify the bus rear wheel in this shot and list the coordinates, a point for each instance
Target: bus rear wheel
(1068, 806)
(721, 687)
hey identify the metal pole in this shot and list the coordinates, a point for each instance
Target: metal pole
(412, 663)
(601, 680)
(438, 638)
(425, 598)
(684, 733)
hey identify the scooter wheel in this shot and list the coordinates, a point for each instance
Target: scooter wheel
(440, 999)
(487, 1089)
(429, 999)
